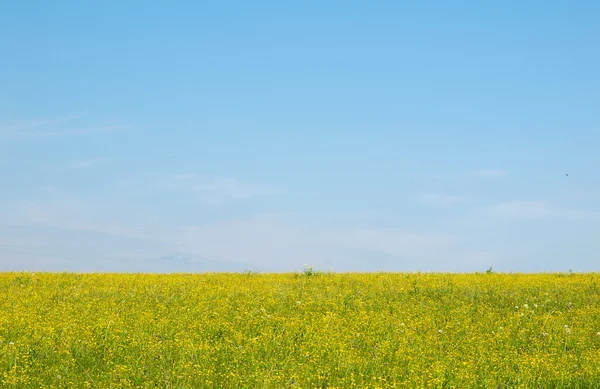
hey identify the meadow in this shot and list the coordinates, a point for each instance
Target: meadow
(299, 330)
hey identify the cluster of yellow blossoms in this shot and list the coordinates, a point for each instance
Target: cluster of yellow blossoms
(378, 330)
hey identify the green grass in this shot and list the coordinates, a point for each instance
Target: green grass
(306, 330)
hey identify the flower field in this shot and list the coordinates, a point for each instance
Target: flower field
(305, 330)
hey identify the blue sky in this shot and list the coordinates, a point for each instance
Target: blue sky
(357, 136)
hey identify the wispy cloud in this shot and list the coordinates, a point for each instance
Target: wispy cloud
(281, 242)
(438, 199)
(481, 174)
(273, 242)
(18, 127)
(84, 131)
(215, 188)
(84, 164)
(52, 127)
(393, 240)
(521, 209)
(531, 210)
(487, 174)
(91, 163)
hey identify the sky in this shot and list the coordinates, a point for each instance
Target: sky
(148, 136)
